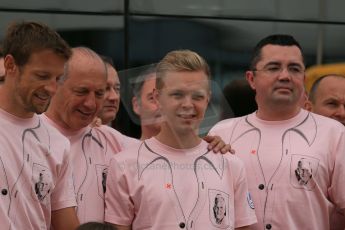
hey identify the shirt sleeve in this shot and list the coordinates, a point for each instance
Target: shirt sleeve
(119, 209)
(63, 195)
(244, 206)
(128, 142)
(222, 129)
(336, 190)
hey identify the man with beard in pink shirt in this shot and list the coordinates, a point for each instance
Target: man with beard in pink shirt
(35, 175)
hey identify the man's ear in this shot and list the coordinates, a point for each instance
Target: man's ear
(155, 94)
(308, 105)
(10, 65)
(209, 96)
(136, 105)
(250, 78)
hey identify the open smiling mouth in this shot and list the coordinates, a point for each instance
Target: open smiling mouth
(43, 97)
(187, 116)
(86, 114)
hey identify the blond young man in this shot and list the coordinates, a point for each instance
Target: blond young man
(172, 180)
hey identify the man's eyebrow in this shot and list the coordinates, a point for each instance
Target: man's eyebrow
(295, 64)
(272, 63)
(331, 98)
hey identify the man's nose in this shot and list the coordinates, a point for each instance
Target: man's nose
(51, 87)
(284, 74)
(90, 101)
(340, 114)
(187, 101)
(113, 95)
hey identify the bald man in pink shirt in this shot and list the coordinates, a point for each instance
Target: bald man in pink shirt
(77, 101)
(327, 98)
(294, 159)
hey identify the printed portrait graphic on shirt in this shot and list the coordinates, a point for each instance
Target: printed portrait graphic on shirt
(101, 172)
(303, 169)
(219, 208)
(41, 178)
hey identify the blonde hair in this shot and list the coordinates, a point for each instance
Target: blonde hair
(178, 61)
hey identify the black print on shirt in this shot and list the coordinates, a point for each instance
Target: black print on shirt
(41, 178)
(104, 179)
(219, 208)
(102, 172)
(303, 170)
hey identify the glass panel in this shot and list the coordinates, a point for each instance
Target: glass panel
(274, 9)
(104, 34)
(333, 10)
(64, 22)
(333, 50)
(222, 42)
(73, 5)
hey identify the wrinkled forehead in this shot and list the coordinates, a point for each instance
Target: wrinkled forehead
(332, 82)
(113, 77)
(80, 59)
(150, 81)
(85, 65)
(113, 80)
(91, 77)
(111, 70)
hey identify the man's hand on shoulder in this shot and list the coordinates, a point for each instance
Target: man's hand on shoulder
(216, 144)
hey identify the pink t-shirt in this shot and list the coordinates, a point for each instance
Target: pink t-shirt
(35, 175)
(153, 186)
(295, 167)
(91, 150)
